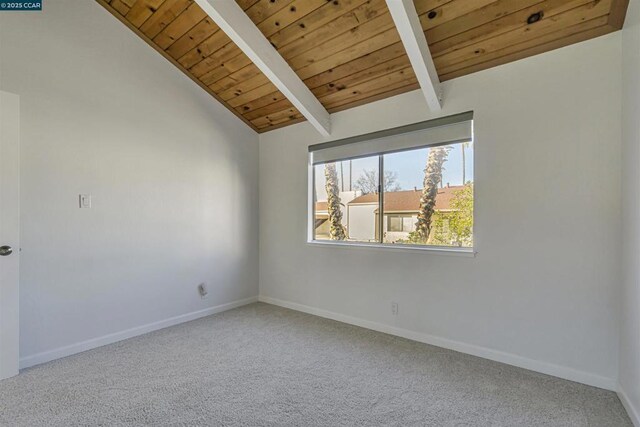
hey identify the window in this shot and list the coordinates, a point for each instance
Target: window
(401, 223)
(409, 186)
(336, 190)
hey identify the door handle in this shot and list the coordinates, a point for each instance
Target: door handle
(6, 250)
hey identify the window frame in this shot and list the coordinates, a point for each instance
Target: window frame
(380, 244)
(401, 217)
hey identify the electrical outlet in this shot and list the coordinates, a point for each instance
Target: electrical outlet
(202, 290)
(85, 201)
(394, 308)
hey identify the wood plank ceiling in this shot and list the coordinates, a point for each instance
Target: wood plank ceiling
(348, 52)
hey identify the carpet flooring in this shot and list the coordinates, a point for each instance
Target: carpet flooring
(261, 365)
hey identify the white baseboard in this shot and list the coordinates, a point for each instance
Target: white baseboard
(487, 353)
(634, 413)
(68, 350)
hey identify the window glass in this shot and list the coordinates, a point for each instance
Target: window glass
(430, 190)
(407, 223)
(394, 223)
(347, 200)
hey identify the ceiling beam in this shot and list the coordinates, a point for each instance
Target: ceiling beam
(408, 25)
(245, 34)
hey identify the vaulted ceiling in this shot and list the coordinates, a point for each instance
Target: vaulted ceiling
(348, 52)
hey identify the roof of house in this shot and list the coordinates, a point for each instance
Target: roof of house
(409, 201)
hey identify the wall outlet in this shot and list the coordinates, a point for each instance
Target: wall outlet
(394, 308)
(85, 201)
(202, 290)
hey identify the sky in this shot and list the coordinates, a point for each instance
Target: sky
(409, 166)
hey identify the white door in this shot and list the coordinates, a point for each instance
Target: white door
(9, 231)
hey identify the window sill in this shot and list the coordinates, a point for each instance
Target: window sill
(461, 252)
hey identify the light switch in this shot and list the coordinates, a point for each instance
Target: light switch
(85, 201)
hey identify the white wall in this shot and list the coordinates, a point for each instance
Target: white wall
(361, 222)
(173, 176)
(630, 329)
(545, 286)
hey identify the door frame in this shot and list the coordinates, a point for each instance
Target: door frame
(9, 233)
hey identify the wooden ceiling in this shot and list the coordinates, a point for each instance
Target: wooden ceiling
(348, 52)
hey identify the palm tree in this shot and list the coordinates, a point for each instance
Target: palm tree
(337, 231)
(464, 146)
(432, 177)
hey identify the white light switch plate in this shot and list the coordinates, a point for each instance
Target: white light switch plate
(85, 201)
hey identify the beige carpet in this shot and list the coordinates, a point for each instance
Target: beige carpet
(261, 365)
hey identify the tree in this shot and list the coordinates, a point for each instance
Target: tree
(461, 219)
(432, 177)
(455, 227)
(440, 231)
(337, 231)
(368, 181)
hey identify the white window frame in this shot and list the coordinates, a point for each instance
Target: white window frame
(446, 250)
